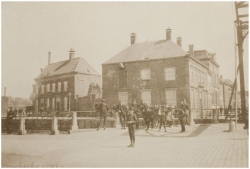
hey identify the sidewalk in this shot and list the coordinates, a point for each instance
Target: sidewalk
(206, 145)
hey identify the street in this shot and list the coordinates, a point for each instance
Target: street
(202, 145)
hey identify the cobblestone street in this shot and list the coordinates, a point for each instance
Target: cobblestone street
(205, 145)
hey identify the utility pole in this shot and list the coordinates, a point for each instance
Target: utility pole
(242, 32)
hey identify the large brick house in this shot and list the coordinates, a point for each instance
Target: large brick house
(61, 85)
(161, 72)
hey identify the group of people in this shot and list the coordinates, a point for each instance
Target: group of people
(129, 116)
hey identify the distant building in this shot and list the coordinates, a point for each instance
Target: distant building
(226, 86)
(162, 72)
(5, 103)
(62, 85)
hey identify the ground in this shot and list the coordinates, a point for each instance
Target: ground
(205, 145)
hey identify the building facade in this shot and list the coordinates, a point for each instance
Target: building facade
(161, 72)
(61, 84)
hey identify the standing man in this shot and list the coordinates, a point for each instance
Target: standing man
(9, 119)
(122, 114)
(161, 114)
(103, 109)
(132, 120)
(182, 116)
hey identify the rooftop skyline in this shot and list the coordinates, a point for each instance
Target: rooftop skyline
(100, 30)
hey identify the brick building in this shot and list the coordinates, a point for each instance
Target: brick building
(63, 84)
(161, 72)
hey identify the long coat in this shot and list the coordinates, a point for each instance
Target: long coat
(103, 109)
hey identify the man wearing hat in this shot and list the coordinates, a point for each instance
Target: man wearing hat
(183, 116)
(9, 119)
(122, 114)
(103, 109)
(131, 120)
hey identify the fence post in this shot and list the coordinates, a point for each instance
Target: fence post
(54, 126)
(117, 120)
(22, 130)
(74, 126)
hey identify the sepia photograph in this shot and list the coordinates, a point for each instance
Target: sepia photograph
(124, 84)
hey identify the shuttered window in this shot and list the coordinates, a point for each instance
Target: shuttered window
(169, 73)
(122, 79)
(145, 74)
(146, 97)
(171, 97)
(123, 97)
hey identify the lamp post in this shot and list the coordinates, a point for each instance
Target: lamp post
(69, 101)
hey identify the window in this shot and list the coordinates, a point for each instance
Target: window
(205, 79)
(123, 97)
(195, 76)
(145, 74)
(48, 87)
(36, 104)
(53, 103)
(48, 103)
(53, 87)
(42, 103)
(192, 73)
(146, 97)
(199, 76)
(171, 97)
(59, 87)
(42, 89)
(192, 98)
(122, 79)
(65, 86)
(169, 73)
(37, 88)
(65, 105)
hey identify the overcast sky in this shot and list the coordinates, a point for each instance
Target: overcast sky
(99, 30)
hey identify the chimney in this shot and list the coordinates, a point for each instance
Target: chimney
(179, 41)
(191, 50)
(220, 76)
(41, 70)
(4, 91)
(49, 57)
(71, 54)
(133, 38)
(168, 34)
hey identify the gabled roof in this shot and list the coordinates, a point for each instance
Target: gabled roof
(78, 65)
(148, 50)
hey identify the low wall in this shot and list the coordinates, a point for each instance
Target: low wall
(64, 124)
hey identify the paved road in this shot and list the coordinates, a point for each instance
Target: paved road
(207, 145)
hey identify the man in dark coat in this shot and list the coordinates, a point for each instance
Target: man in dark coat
(144, 110)
(103, 109)
(9, 119)
(163, 118)
(131, 120)
(122, 114)
(183, 116)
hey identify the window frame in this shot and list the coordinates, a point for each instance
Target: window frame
(150, 100)
(167, 99)
(165, 77)
(145, 69)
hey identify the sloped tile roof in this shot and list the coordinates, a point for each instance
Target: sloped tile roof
(78, 65)
(148, 50)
